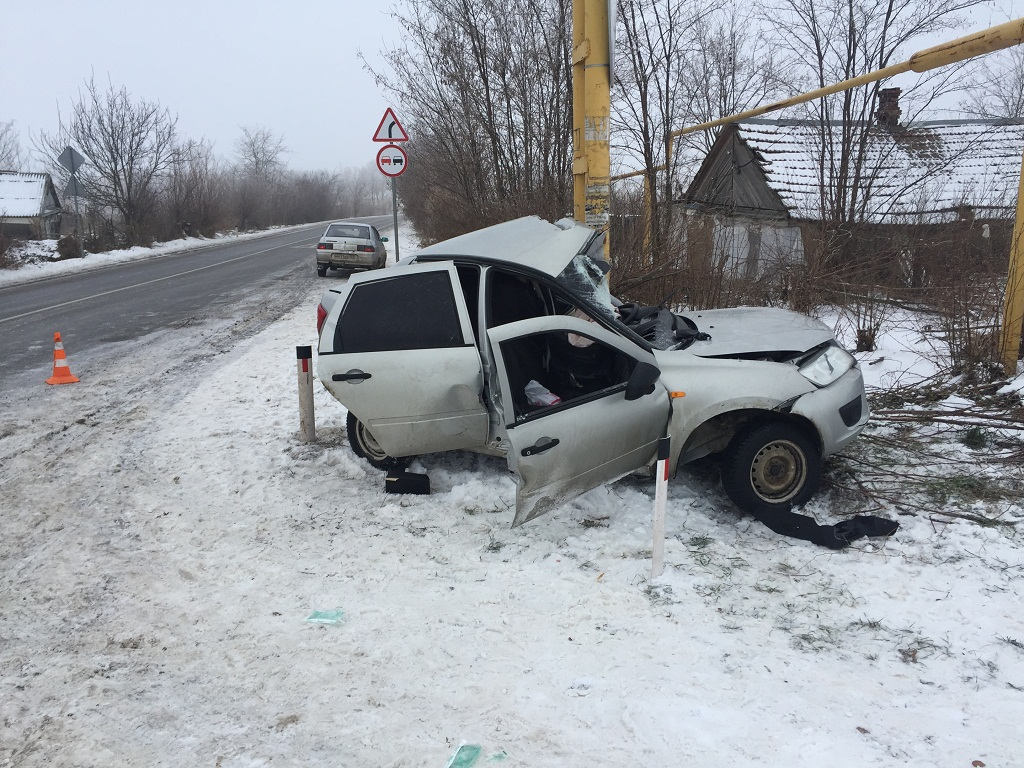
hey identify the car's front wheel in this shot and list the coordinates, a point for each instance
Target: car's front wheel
(771, 467)
(365, 446)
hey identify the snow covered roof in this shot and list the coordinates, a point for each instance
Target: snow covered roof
(24, 195)
(925, 171)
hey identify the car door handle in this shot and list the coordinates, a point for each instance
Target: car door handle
(540, 446)
(354, 375)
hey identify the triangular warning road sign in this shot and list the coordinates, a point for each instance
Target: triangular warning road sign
(390, 130)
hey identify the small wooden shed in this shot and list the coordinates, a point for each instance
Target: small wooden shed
(29, 206)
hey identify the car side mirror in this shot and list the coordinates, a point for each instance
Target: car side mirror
(383, 239)
(641, 381)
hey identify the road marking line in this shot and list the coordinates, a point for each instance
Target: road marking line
(139, 285)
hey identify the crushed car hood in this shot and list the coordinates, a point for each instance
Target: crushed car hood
(749, 330)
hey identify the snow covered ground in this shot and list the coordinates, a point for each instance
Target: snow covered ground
(165, 537)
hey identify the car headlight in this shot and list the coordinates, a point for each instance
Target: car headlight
(827, 365)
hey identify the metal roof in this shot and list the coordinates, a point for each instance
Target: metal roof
(23, 195)
(923, 171)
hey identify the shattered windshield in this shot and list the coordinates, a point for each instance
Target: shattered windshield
(585, 277)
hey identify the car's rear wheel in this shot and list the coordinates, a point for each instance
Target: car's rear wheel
(365, 446)
(771, 467)
(321, 269)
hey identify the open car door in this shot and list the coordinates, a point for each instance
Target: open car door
(398, 351)
(594, 434)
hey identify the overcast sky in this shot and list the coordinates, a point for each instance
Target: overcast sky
(290, 67)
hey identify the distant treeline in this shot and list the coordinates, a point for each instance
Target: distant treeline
(145, 182)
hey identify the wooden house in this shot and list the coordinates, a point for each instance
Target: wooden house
(767, 187)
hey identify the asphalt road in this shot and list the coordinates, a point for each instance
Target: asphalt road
(127, 301)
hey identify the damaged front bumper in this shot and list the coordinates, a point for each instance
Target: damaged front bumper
(839, 411)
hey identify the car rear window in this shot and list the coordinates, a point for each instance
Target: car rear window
(348, 230)
(405, 312)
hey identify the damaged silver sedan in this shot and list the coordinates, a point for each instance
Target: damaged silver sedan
(506, 341)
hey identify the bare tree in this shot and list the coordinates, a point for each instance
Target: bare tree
(260, 153)
(650, 97)
(196, 190)
(730, 68)
(308, 196)
(10, 148)
(485, 88)
(362, 191)
(129, 145)
(679, 62)
(259, 168)
(996, 87)
(828, 41)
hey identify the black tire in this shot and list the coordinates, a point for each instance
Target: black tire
(772, 467)
(321, 270)
(365, 446)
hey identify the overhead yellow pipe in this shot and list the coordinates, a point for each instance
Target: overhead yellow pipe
(993, 39)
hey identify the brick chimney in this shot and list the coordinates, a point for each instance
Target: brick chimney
(888, 113)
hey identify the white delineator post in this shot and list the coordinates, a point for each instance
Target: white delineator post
(307, 423)
(660, 508)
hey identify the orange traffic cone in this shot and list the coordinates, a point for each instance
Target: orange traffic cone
(61, 372)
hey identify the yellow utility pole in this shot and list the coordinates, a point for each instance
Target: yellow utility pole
(580, 49)
(1013, 300)
(591, 113)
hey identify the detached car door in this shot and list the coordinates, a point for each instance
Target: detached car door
(397, 350)
(593, 434)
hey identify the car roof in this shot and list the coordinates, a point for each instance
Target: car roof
(529, 241)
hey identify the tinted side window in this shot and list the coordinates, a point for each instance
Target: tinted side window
(513, 297)
(406, 312)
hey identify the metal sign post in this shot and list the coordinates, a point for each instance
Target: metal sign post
(307, 420)
(392, 161)
(72, 160)
(394, 213)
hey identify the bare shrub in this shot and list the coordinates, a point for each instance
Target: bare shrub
(868, 310)
(70, 247)
(855, 274)
(640, 272)
(695, 266)
(969, 311)
(6, 247)
(961, 271)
